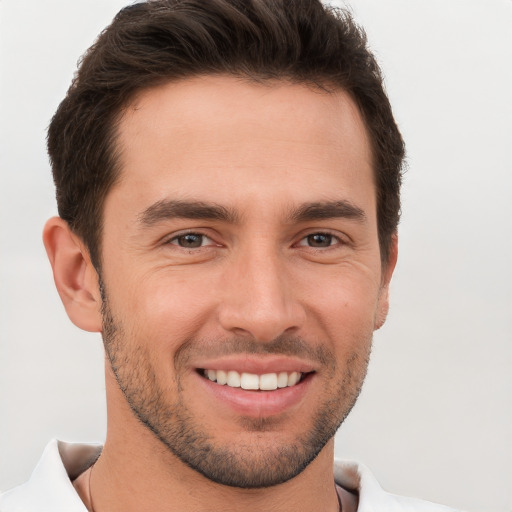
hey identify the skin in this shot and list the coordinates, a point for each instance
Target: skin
(260, 288)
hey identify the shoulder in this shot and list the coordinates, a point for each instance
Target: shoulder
(50, 487)
(372, 498)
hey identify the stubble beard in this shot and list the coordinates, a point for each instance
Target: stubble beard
(257, 464)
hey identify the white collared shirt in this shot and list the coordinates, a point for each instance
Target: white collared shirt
(50, 487)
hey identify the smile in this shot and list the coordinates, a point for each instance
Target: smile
(252, 381)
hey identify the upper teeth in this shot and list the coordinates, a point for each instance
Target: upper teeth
(265, 382)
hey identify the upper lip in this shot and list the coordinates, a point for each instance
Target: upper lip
(256, 365)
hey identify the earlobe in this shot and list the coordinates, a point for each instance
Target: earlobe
(382, 308)
(74, 275)
(387, 273)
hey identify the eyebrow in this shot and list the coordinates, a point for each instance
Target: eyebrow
(167, 209)
(174, 209)
(328, 210)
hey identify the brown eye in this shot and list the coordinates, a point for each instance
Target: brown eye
(189, 241)
(319, 240)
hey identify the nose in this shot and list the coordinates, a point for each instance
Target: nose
(259, 298)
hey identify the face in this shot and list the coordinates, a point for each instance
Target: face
(241, 272)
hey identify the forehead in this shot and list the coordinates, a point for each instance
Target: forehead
(220, 137)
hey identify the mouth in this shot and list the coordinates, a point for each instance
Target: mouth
(254, 381)
(255, 387)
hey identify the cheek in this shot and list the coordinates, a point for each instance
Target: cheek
(345, 305)
(165, 309)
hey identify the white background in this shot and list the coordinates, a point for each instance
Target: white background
(435, 416)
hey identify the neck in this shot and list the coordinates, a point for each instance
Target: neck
(138, 482)
(137, 472)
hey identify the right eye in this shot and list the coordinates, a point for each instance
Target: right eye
(191, 240)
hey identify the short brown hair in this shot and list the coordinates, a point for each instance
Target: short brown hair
(157, 41)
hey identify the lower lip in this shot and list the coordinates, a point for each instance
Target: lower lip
(257, 404)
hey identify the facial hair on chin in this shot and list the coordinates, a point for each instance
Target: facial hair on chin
(242, 465)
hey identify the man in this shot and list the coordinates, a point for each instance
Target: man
(227, 179)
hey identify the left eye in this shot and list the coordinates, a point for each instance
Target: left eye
(191, 240)
(319, 240)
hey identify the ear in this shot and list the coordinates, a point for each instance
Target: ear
(387, 273)
(75, 277)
